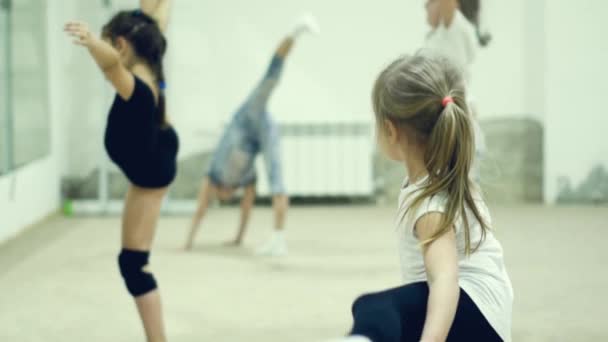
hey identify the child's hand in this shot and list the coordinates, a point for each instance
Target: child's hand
(80, 32)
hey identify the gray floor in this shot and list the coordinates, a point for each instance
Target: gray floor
(59, 282)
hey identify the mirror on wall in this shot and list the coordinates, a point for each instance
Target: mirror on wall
(4, 93)
(28, 81)
(24, 110)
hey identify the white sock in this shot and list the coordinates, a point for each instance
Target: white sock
(279, 235)
(305, 24)
(276, 237)
(275, 246)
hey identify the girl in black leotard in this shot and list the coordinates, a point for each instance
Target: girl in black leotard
(138, 138)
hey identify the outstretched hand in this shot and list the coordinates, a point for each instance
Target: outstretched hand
(80, 32)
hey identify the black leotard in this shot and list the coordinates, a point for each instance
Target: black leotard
(134, 139)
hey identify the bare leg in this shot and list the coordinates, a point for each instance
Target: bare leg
(277, 246)
(306, 24)
(270, 146)
(204, 198)
(150, 309)
(141, 212)
(246, 205)
(285, 47)
(257, 100)
(280, 204)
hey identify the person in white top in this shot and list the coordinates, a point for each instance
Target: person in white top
(456, 35)
(456, 287)
(455, 32)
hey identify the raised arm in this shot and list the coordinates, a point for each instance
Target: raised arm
(246, 205)
(447, 8)
(157, 9)
(441, 262)
(106, 57)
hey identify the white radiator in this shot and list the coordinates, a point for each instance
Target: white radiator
(324, 160)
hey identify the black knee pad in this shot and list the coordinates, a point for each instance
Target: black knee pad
(131, 265)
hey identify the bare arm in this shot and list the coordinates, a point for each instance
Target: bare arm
(441, 262)
(447, 8)
(205, 196)
(106, 57)
(246, 205)
(157, 9)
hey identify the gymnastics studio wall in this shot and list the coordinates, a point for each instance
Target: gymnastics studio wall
(576, 147)
(535, 89)
(29, 187)
(219, 50)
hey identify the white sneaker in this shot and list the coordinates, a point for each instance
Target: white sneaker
(306, 23)
(280, 249)
(275, 247)
(266, 247)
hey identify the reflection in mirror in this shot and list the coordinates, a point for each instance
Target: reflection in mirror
(4, 104)
(29, 86)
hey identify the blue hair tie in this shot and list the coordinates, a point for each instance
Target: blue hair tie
(162, 85)
(137, 12)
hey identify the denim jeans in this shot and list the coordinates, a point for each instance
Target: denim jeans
(251, 131)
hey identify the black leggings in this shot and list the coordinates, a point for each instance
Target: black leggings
(398, 315)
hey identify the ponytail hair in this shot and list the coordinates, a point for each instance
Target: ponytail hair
(471, 9)
(412, 93)
(148, 42)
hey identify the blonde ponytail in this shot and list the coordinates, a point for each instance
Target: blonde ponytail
(412, 92)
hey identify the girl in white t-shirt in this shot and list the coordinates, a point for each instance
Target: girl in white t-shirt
(456, 35)
(456, 287)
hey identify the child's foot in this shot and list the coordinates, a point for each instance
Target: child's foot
(275, 247)
(280, 248)
(306, 23)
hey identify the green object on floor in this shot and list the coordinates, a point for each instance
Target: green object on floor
(67, 208)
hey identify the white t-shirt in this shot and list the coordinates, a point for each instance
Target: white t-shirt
(457, 42)
(482, 275)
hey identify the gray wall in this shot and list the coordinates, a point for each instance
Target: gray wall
(511, 170)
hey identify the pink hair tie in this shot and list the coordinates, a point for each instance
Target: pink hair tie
(446, 100)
